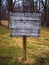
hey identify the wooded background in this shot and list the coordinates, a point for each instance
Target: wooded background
(35, 6)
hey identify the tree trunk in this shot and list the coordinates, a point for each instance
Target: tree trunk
(8, 19)
(45, 17)
(45, 13)
(32, 5)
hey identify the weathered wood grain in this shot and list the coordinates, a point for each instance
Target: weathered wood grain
(25, 24)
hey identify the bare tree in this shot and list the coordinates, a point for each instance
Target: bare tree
(45, 11)
(28, 5)
(32, 5)
(10, 5)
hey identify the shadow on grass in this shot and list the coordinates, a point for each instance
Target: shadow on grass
(3, 30)
(5, 60)
(42, 59)
(9, 61)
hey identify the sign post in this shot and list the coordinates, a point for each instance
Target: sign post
(24, 48)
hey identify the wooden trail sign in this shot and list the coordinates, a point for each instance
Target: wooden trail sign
(25, 24)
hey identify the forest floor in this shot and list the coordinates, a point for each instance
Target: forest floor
(11, 48)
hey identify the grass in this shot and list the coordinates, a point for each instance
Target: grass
(11, 49)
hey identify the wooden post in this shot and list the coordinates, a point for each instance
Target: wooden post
(24, 48)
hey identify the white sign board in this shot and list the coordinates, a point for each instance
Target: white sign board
(25, 24)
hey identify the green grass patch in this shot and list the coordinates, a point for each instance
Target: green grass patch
(3, 30)
(11, 50)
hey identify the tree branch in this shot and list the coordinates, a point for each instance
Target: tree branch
(43, 3)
